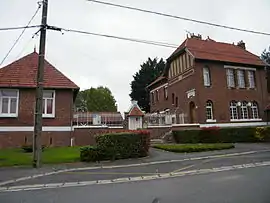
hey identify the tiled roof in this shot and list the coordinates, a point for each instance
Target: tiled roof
(135, 111)
(22, 73)
(217, 51)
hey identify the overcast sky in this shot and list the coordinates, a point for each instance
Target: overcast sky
(91, 61)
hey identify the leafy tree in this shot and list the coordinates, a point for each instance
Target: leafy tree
(96, 100)
(150, 70)
(266, 55)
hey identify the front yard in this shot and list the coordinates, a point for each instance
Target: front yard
(16, 157)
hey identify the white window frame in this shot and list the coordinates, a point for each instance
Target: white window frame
(230, 77)
(209, 108)
(254, 110)
(241, 78)
(244, 108)
(206, 77)
(251, 79)
(234, 110)
(9, 97)
(52, 115)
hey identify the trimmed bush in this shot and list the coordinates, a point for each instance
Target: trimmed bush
(29, 148)
(263, 134)
(112, 146)
(193, 147)
(217, 135)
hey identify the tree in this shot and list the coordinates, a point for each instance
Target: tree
(150, 70)
(96, 100)
(266, 55)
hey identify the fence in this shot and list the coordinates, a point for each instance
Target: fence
(164, 119)
(98, 119)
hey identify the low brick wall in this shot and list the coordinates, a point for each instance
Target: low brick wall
(17, 139)
(157, 132)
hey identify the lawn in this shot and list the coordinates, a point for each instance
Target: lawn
(15, 157)
(181, 148)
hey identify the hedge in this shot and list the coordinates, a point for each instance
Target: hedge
(223, 135)
(112, 146)
(180, 148)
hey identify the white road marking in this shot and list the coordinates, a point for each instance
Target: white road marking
(133, 179)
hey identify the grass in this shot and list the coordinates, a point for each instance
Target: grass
(17, 157)
(181, 148)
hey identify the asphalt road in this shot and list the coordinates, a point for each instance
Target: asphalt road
(245, 185)
(114, 173)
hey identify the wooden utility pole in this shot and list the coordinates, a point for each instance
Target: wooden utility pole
(39, 90)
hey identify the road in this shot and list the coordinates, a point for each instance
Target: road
(245, 185)
(238, 175)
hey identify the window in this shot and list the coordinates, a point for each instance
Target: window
(233, 110)
(176, 101)
(166, 92)
(206, 76)
(209, 110)
(152, 97)
(172, 98)
(157, 95)
(230, 78)
(9, 103)
(251, 79)
(48, 104)
(244, 110)
(241, 78)
(254, 110)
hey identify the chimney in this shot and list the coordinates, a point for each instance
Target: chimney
(192, 35)
(241, 44)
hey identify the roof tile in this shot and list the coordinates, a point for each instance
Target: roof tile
(22, 73)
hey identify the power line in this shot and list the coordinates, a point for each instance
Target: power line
(180, 18)
(163, 44)
(18, 28)
(17, 40)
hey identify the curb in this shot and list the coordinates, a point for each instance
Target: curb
(132, 179)
(129, 165)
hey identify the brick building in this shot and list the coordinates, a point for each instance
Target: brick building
(211, 83)
(17, 103)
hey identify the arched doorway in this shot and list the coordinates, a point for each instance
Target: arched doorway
(192, 112)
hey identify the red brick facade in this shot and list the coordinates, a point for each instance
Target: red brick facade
(188, 94)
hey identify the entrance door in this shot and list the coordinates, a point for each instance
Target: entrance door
(192, 112)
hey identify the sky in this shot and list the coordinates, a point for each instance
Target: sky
(92, 61)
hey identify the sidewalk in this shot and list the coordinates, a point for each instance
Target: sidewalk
(9, 173)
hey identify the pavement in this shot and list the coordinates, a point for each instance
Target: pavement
(160, 170)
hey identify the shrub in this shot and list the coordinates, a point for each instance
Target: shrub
(193, 147)
(111, 146)
(216, 135)
(89, 153)
(263, 134)
(29, 148)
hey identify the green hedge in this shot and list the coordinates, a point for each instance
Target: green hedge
(112, 146)
(220, 135)
(180, 148)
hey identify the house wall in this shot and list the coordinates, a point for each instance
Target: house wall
(221, 95)
(218, 93)
(63, 110)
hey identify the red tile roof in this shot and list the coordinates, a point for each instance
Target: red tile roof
(217, 51)
(22, 73)
(136, 111)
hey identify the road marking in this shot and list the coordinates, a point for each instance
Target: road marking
(110, 173)
(130, 165)
(131, 179)
(184, 168)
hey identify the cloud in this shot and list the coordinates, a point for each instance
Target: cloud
(93, 61)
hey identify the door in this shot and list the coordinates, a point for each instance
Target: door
(192, 112)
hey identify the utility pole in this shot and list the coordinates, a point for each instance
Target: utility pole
(39, 89)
